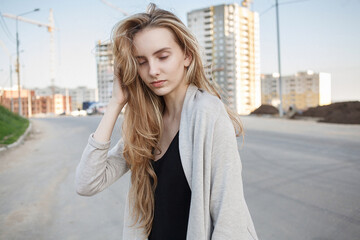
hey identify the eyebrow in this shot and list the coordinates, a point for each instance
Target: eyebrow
(158, 51)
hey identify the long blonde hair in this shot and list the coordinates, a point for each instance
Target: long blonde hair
(142, 126)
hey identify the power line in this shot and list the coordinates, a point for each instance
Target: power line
(294, 1)
(7, 34)
(6, 29)
(282, 3)
(265, 11)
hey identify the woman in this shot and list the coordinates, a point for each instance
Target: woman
(178, 139)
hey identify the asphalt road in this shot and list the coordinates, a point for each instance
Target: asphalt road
(301, 181)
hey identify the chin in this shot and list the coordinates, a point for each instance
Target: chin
(161, 92)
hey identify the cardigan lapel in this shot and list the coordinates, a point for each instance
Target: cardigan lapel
(186, 132)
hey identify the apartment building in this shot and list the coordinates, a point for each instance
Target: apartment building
(229, 36)
(301, 90)
(78, 95)
(105, 70)
(82, 94)
(32, 104)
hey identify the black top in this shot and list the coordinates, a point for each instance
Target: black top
(172, 196)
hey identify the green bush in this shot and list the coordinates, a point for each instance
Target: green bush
(12, 126)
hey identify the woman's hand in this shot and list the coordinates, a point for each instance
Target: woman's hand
(117, 102)
(120, 93)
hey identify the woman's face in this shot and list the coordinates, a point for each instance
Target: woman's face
(162, 63)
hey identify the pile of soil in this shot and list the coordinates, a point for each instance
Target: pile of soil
(341, 112)
(265, 109)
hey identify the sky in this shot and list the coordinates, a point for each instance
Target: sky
(318, 35)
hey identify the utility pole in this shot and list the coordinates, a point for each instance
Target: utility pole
(52, 53)
(18, 67)
(281, 113)
(18, 57)
(51, 28)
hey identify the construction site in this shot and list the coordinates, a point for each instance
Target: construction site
(340, 112)
(24, 101)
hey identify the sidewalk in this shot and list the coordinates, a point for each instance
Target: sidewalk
(19, 141)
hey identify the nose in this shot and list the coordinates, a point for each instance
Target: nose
(154, 69)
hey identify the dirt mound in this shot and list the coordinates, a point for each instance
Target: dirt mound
(341, 112)
(266, 109)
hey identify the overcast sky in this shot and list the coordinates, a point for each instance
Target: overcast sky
(320, 35)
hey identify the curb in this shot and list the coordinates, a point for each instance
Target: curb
(20, 140)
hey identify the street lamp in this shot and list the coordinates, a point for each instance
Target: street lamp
(281, 112)
(11, 82)
(18, 55)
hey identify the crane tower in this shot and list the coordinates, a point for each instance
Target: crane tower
(50, 27)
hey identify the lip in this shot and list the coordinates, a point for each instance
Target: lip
(158, 83)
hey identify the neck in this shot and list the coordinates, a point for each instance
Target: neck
(174, 102)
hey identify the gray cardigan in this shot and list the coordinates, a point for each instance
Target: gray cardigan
(212, 166)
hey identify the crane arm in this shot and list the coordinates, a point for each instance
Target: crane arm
(115, 7)
(246, 3)
(40, 24)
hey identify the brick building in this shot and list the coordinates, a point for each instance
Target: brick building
(31, 104)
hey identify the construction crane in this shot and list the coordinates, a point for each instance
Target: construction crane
(246, 3)
(50, 27)
(115, 7)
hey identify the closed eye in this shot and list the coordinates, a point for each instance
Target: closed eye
(164, 57)
(142, 62)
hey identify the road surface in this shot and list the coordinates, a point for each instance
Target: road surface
(301, 181)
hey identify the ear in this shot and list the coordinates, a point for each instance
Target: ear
(187, 60)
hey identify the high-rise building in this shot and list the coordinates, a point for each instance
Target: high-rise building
(229, 36)
(78, 95)
(105, 70)
(302, 90)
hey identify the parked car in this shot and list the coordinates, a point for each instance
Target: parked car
(78, 113)
(87, 104)
(96, 108)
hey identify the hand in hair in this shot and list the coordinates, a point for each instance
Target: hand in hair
(119, 92)
(117, 102)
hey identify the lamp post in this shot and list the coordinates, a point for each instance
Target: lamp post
(18, 56)
(281, 112)
(11, 82)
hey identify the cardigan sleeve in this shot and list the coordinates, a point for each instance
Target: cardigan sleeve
(229, 212)
(99, 167)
